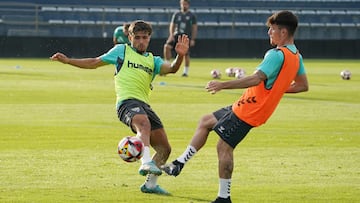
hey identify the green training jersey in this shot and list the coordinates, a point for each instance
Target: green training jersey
(119, 35)
(133, 72)
(133, 80)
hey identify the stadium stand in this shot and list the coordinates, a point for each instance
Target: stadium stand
(228, 19)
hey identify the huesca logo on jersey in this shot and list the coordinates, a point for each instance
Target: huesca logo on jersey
(140, 66)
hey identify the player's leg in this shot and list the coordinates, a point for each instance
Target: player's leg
(187, 65)
(231, 131)
(199, 139)
(205, 125)
(160, 143)
(133, 114)
(167, 52)
(168, 47)
(142, 126)
(203, 129)
(225, 169)
(162, 149)
(187, 62)
(158, 140)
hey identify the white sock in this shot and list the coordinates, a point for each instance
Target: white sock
(186, 69)
(151, 181)
(188, 153)
(224, 188)
(146, 157)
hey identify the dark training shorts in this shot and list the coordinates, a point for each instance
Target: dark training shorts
(131, 107)
(229, 127)
(173, 43)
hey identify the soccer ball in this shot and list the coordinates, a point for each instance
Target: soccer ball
(239, 73)
(216, 74)
(230, 72)
(130, 149)
(345, 74)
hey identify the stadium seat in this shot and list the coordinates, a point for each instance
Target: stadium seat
(126, 10)
(142, 10)
(71, 22)
(347, 24)
(62, 8)
(103, 22)
(54, 21)
(48, 8)
(87, 22)
(80, 9)
(96, 9)
(111, 10)
(222, 23)
(240, 19)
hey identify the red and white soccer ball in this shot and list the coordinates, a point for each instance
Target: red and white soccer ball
(131, 149)
(239, 73)
(345, 75)
(216, 74)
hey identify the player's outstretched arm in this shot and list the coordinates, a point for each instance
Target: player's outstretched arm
(245, 82)
(300, 84)
(86, 63)
(181, 48)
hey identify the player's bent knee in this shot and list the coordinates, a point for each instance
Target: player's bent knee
(207, 121)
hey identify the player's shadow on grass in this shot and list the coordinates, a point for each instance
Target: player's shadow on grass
(192, 199)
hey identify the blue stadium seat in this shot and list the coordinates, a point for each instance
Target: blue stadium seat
(239, 19)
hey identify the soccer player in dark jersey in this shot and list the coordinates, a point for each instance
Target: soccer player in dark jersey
(182, 22)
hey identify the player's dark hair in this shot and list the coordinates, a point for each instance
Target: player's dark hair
(284, 18)
(126, 26)
(140, 26)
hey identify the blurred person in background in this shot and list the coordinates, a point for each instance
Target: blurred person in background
(182, 22)
(121, 34)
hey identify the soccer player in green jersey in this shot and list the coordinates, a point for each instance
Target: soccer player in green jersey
(121, 34)
(135, 69)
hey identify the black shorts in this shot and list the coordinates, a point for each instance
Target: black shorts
(174, 42)
(131, 107)
(229, 127)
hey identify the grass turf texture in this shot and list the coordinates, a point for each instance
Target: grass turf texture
(59, 133)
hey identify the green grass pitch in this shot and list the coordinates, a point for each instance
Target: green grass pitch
(59, 133)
